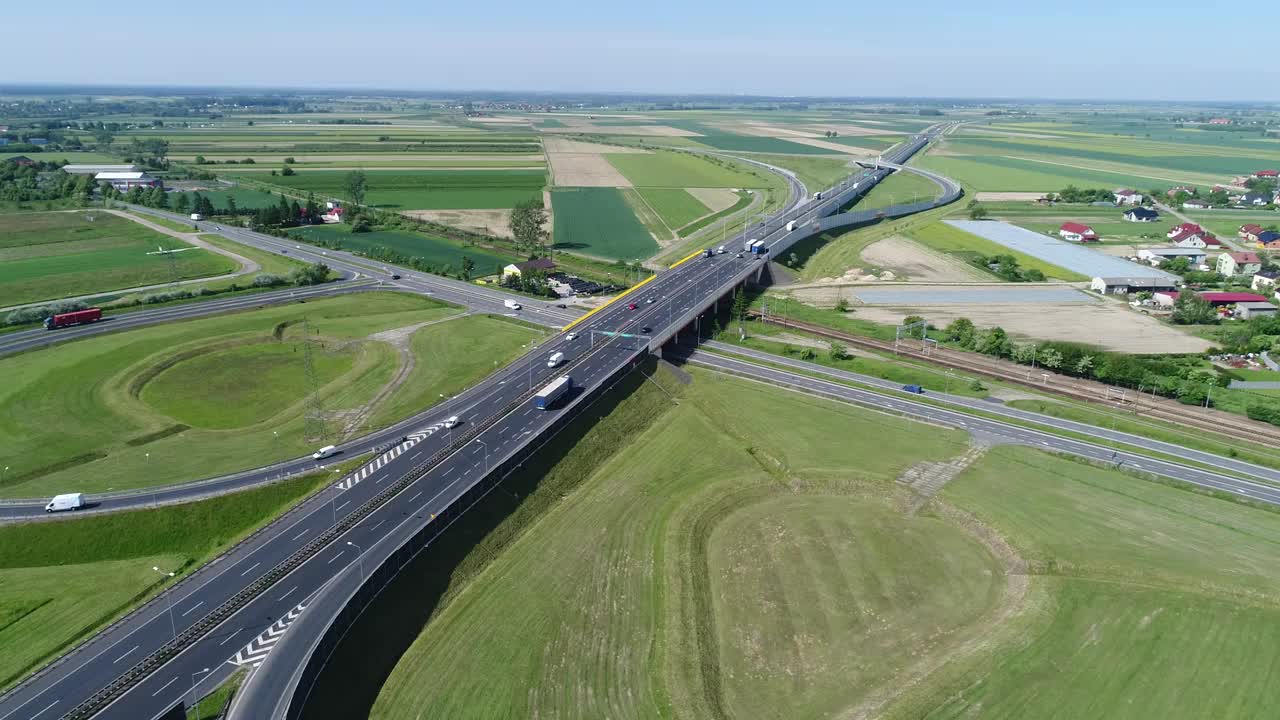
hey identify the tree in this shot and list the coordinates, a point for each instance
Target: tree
(1191, 309)
(994, 342)
(313, 274)
(1084, 366)
(527, 220)
(1023, 354)
(355, 184)
(842, 305)
(468, 267)
(181, 203)
(1051, 358)
(286, 171)
(231, 206)
(837, 350)
(961, 331)
(977, 212)
(738, 310)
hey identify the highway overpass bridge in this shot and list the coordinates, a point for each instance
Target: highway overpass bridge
(320, 563)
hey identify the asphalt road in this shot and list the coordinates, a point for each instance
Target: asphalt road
(498, 420)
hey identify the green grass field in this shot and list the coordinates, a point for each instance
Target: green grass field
(434, 250)
(668, 169)
(676, 206)
(428, 189)
(45, 256)
(707, 569)
(816, 173)
(152, 406)
(954, 241)
(899, 188)
(60, 580)
(598, 221)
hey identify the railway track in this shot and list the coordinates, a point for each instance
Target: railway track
(1152, 407)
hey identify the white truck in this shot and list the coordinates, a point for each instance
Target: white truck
(548, 395)
(555, 360)
(68, 501)
(324, 452)
(511, 304)
(197, 216)
(791, 226)
(746, 247)
(817, 195)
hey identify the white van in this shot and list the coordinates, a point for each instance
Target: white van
(452, 422)
(555, 359)
(69, 501)
(324, 452)
(197, 216)
(511, 304)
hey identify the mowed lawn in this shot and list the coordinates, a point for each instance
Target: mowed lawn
(669, 169)
(598, 221)
(193, 399)
(45, 256)
(683, 550)
(61, 580)
(436, 251)
(429, 189)
(954, 241)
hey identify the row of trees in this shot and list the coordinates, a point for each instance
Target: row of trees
(528, 219)
(532, 281)
(1007, 268)
(36, 182)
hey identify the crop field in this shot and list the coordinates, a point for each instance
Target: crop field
(428, 189)
(598, 221)
(815, 172)
(676, 206)
(757, 580)
(437, 251)
(44, 256)
(954, 241)
(59, 581)
(137, 416)
(666, 169)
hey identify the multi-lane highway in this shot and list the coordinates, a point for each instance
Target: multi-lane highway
(152, 659)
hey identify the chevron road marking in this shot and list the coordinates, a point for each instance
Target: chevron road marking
(413, 439)
(256, 651)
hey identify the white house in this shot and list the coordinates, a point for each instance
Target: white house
(1077, 232)
(1194, 204)
(519, 268)
(126, 181)
(1238, 263)
(1141, 214)
(1128, 197)
(1264, 280)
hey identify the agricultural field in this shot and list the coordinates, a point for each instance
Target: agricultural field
(1107, 222)
(61, 580)
(954, 241)
(427, 189)
(668, 169)
(1226, 223)
(758, 579)
(192, 399)
(816, 173)
(436, 251)
(46, 256)
(599, 222)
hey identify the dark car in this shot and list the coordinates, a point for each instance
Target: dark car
(646, 329)
(395, 277)
(913, 389)
(562, 306)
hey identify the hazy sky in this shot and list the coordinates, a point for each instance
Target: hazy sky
(1176, 51)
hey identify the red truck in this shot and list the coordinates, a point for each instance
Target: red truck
(79, 317)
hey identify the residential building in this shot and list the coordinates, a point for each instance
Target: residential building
(1155, 256)
(4, 141)
(1247, 310)
(1238, 263)
(1128, 197)
(37, 141)
(1221, 299)
(1264, 280)
(1266, 175)
(333, 214)
(1257, 199)
(1141, 214)
(20, 160)
(1077, 232)
(1124, 286)
(1220, 121)
(519, 269)
(1184, 227)
(1250, 233)
(1269, 239)
(1171, 192)
(1188, 239)
(126, 181)
(1196, 204)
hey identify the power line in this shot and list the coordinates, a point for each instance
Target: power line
(315, 421)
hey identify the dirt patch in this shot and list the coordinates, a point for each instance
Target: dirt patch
(496, 223)
(715, 198)
(578, 147)
(1109, 325)
(1008, 196)
(917, 262)
(585, 170)
(834, 147)
(797, 340)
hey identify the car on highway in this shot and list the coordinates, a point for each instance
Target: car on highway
(284, 252)
(739, 256)
(324, 452)
(649, 301)
(632, 306)
(395, 277)
(67, 501)
(562, 306)
(571, 336)
(646, 329)
(452, 422)
(913, 389)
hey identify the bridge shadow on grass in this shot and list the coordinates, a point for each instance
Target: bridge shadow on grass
(349, 685)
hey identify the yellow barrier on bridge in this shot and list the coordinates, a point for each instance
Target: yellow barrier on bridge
(678, 263)
(621, 295)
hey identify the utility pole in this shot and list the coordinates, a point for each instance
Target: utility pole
(314, 422)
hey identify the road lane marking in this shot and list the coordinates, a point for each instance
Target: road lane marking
(125, 655)
(287, 594)
(451, 469)
(335, 557)
(304, 532)
(229, 638)
(166, 685)
(55, 702)
(193, 607)
(339, 507)
(250, 569)
(415, 455)
(415, 497)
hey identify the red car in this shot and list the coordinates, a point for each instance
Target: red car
(632, 306)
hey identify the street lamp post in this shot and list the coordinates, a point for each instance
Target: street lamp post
(173, 626)
(195, 704)
(359, 556)
(486, 455)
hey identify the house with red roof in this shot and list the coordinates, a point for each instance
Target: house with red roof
(1267, 175)
(1186, 226)
(1250, 232)
(1173, 191)
(1239, 263)
(1077, 232)
(1218, 299)
(1188, 238)
(1126, 196)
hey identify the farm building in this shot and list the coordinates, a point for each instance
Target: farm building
(519, 269)
(333, 214)
(37, 141)
(21, 160)
(1220, 299)
(1266, 175)
(1155, 256)
(95, 169)
(1194, 204)
(1077, 232)
(1247, 310)
(1264, 280)
(1238, 263)
(126, 181)
(1126, 285)
(1128, 197)
(1250, 233)
(1141, 214)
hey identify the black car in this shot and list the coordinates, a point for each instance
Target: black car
(646, 329)
(562, 306)
(395, 277)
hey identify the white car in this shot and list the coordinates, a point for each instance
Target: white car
(452, 422)
(571, 336)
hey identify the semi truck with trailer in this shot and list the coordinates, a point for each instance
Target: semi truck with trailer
(77, 317)
(554, 390)
(758, 248)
